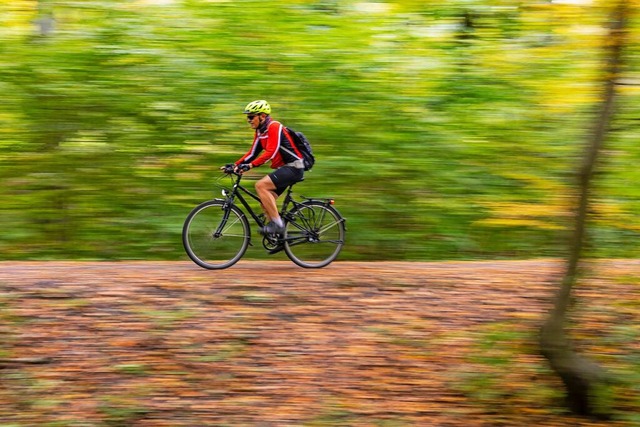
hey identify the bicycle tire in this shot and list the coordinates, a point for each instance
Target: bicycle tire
(208, 243)
(315, 234)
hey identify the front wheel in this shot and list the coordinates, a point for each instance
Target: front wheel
(315, 234)
(215, 234)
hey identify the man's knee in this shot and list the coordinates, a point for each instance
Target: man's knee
(264, 184)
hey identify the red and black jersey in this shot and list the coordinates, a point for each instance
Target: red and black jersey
(271, 144)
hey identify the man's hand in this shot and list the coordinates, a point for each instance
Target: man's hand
(228, 168)
(243, 167)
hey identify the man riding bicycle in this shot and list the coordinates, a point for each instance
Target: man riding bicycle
(270, 143)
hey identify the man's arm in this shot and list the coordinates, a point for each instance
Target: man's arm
(252, 154)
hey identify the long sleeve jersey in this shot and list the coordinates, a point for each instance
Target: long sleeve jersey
(272, 144)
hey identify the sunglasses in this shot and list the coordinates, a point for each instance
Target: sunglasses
(251, 116)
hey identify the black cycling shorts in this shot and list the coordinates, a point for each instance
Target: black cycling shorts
(285, 176)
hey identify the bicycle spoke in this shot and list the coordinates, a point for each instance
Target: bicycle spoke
(327, 227)
(319, 220)
(229, 226)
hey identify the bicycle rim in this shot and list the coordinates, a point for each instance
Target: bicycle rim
(314, 235)
(209, 242)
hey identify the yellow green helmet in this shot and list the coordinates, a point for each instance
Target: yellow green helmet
(260, 106)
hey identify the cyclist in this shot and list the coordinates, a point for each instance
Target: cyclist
(270, 143)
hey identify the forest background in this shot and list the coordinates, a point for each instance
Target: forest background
(444, 130)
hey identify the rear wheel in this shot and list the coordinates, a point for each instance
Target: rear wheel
(315, 234)
(215, 235)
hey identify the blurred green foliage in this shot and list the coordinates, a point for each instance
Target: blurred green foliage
(444, 130)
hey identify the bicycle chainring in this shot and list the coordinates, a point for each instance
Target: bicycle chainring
(270, 242)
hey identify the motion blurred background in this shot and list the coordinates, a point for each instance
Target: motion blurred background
(444, 130)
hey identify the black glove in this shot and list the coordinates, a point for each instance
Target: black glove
(228, 168)
(244, 166)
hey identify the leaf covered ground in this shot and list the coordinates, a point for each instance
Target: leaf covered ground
(270, 344)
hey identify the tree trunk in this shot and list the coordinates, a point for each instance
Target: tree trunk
(581, 377)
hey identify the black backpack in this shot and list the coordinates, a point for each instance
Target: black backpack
(302, 144)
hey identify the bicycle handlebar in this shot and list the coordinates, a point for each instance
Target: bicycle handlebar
(230, 169)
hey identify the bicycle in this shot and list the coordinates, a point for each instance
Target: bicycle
(216, 233)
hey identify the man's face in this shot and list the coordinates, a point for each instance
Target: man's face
(254, 120)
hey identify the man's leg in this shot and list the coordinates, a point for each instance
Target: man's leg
(266, 190)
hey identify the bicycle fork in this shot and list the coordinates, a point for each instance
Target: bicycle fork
(225, 217)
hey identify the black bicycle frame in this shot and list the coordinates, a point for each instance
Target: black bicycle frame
(236, 192)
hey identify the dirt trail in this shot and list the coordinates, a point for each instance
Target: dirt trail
(270, 344)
